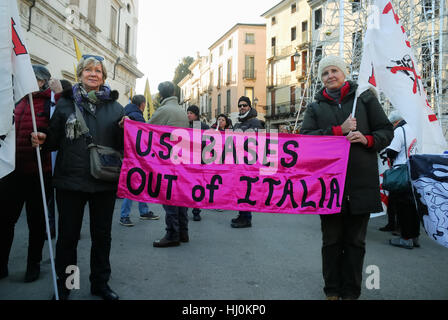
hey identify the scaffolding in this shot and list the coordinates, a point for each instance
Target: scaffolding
(341, 32)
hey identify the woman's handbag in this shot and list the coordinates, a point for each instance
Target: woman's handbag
(105, 162)
(396, 179)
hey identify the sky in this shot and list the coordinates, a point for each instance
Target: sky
(171, 30)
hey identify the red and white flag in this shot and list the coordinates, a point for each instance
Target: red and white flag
(17, 79)
(389, 66)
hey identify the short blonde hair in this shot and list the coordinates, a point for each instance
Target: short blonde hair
(85, 63)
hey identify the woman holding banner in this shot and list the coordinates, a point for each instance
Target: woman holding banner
(369, 131)
(75, 186)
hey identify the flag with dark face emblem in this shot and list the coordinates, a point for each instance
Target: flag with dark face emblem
(429, 175)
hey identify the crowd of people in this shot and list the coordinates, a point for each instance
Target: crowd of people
(343, 235)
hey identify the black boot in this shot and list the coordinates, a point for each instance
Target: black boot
(32, 272)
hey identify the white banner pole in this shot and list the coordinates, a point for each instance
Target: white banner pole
(44, 199)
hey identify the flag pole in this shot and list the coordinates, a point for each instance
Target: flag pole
(44, 199)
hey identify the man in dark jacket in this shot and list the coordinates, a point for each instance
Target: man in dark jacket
(193, 116)
(247, 121)
(170, 113)
(134, 111)
(22, 186)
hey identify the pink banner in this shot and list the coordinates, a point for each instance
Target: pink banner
(242, 171)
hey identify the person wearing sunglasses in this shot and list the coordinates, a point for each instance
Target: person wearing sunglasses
(75, 186)
(247, 120)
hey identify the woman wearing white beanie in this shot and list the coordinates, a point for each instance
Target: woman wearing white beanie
(369, 131)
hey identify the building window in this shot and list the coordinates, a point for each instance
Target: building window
(249, 70)
(249, 92)
(305, 31)
(250, 38)
(92, 11)
(229, 96)
(292, 95)
(219, 76)
(113, 25)
(211, 57)
(293, 33)
(293, 64)
(230, 44)
(426, 61)
(209, 107)
(273, 20)
(229, 71)
(317, 19)
(127, 39)
(357, 41)
(219, 104)
(273, 43)
(304, 62)
(356, 5)
(129, 8)
(427, 9)
(211, 79)
(221, 50)
(293, 8)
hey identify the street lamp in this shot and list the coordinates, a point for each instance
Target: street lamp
(296, 57)
(255, 102)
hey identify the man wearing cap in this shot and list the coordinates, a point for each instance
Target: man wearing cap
(134, 111)
(368, 131)
(247, 120)
(193, 116)
(402, 204)
(170, 113)
(22, 186)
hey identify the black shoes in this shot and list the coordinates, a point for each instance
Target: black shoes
(183, 237)
(197, 217)
(105, 292)
(387, 228)
(165, 243)
(241, 223)
(32, 272)
(4, 272)
(149, 216)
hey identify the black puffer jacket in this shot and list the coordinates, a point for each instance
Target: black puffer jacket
(249, 122)
(72, 169)
(362, 180)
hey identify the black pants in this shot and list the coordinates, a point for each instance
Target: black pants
(403, 204)
(176, 219)
(16, 190)
(71, 211)
(343, 250)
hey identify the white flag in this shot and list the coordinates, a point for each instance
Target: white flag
(17, 79)
(388, 65)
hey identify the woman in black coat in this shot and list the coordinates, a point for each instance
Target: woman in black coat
(75, 186)
(369, 131)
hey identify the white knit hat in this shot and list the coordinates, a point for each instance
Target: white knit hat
(332, 61)
(395, 116)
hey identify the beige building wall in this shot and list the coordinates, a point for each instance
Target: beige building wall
(49, 37)
(287, 34)
(231, 77)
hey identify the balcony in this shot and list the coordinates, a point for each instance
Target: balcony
(249, 74)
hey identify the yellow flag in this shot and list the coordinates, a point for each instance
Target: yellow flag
(76, 76)
(131, 94)
(149, 109)
(78, 52)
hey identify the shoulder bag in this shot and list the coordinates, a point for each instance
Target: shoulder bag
(396, 179)
(105, 162)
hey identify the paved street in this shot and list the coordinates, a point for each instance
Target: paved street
(278, 258)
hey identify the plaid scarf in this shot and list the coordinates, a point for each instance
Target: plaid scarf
(89, 99)
(84, 100)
